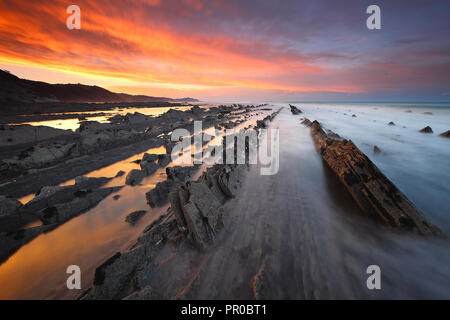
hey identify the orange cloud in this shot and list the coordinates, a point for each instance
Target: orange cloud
(119, 43)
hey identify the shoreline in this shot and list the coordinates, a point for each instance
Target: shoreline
(167, 235)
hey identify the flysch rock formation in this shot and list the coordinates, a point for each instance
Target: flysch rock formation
(194, 220)
(53, 205)
(294, 109)
(375, 194)
(445, 134)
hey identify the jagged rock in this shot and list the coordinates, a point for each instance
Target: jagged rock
(211, 177)
(427, 129)
(82, 182)
(230, 178)
(120, 173)
(294, 109)
(135, 216)
(376, 149)
(391, 123)
(177, 199)
(445, 134)
(8, 206)
(375, 194)
(62, 212)
(150, 157)
(158, 231)
(197, 206)
(134, 177)
(163, 160)
(333, 134)
(116, 278)
(261, 124)
(25, 133)
(196, 110)
(41, 155)
(149, 167)
(51, 195)
(12, 241)
(93, 125)
(307, 122)
(158, 195)
(203, 214)
(180, 172)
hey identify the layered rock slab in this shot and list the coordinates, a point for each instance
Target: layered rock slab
(375, 194)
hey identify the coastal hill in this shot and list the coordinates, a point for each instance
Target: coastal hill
(14, 89)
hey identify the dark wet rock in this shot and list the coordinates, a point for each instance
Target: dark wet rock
(134, 177)
(177, 198)
(391, 123)
(48, 196)
(149, 167)
(376, 149)
(93, 125)
(203, 214)
(158, 195)
(120, 173)
(445, 134)
(196, 110)
(408, 111)
(181, 172)
(8, 206)
(307, 122)
(427, 112)
(195, 214)
(427, 129)
(354, 115)
(42, 155)
(294, 109)
(150, 157)
(197, 206)
(261, 124)
(375, 194)
(83, 182)
(333, 134)
(230, 178)
(51, 195)
(211, 177)
(119, 276)
(158, 231)
(116, 197)
(62, 212)
(135, 216)
(135, 118)
(25, 133)
(163, 160)
(12, 241)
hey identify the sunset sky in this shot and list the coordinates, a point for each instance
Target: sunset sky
(226, 50)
